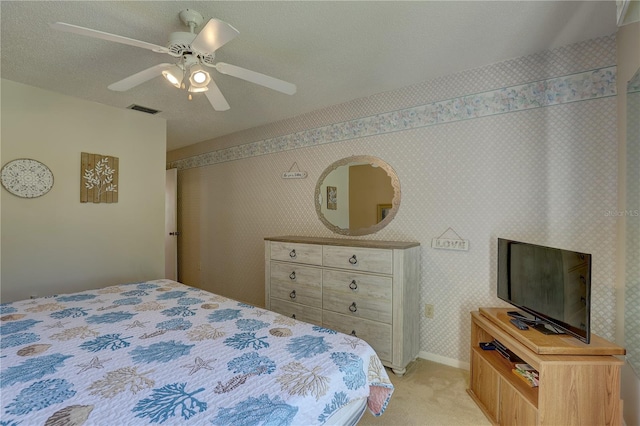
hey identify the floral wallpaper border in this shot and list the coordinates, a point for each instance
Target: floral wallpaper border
(593, 84)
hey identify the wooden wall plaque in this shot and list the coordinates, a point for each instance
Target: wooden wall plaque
(98, 178)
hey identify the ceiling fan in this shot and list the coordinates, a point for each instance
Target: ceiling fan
(196, 53)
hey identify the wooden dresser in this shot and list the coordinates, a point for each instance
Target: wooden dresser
(366, 288)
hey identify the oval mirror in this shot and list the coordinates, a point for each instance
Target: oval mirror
(357, 195)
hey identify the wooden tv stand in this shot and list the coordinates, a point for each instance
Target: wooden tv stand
(579, 383)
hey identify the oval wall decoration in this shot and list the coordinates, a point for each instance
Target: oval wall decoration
(26, 178)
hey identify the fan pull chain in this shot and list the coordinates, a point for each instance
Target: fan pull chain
(185, 80)
(186, 70)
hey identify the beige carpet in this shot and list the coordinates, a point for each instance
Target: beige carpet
(429, 394)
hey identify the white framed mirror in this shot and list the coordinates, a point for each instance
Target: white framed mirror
(357, 195)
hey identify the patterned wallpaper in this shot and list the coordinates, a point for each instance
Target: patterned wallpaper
(524, 149)
(632, 216)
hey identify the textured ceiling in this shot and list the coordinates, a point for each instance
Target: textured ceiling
(333, 51)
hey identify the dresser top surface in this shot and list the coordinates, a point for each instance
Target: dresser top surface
(345, 242)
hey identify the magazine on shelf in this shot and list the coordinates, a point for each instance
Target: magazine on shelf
(527, 373)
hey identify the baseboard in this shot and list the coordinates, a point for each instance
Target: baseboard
(443, 360)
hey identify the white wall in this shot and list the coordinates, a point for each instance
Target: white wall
(54, 243)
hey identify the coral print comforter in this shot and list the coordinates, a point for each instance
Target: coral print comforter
(164, 353)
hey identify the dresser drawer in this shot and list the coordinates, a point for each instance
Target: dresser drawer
(296, 283)
(358, 258)
(358, 295)
(376, 334)
(299, 312)
(310, 254)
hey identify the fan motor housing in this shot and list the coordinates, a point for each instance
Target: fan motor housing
(180, 44)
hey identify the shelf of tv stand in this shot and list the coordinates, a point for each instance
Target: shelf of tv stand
(546, 344)
(504, 366)
(579, 383)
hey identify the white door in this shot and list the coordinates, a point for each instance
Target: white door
(171, 225)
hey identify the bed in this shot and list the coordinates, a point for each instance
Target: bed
(165, 353)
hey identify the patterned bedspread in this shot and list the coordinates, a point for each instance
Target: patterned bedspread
(162, 352)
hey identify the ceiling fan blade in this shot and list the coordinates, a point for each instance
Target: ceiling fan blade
(216, 98)
(106, 36)
(257, 78)
(139, 78)
(213, 35)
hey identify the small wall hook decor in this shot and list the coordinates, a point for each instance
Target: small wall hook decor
(294, 174)
(456, 243)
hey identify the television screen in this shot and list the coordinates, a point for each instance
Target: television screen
(553, 285)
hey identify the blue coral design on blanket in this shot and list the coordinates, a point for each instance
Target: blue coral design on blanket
(160, 352)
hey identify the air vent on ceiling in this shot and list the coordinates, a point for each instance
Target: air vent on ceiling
(143, 109)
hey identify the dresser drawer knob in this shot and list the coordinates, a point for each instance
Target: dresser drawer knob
(292, 275)
(292, 254)
(292, 294)
(353, 333)
(353, 285)
(352, 307)
(353, 260)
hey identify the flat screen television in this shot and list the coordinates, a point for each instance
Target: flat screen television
(552, 285)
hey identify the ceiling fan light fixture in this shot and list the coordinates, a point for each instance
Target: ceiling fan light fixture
(174, 75)
(199, 77)
(193, 89)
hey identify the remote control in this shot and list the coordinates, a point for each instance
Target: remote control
(519, 324)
